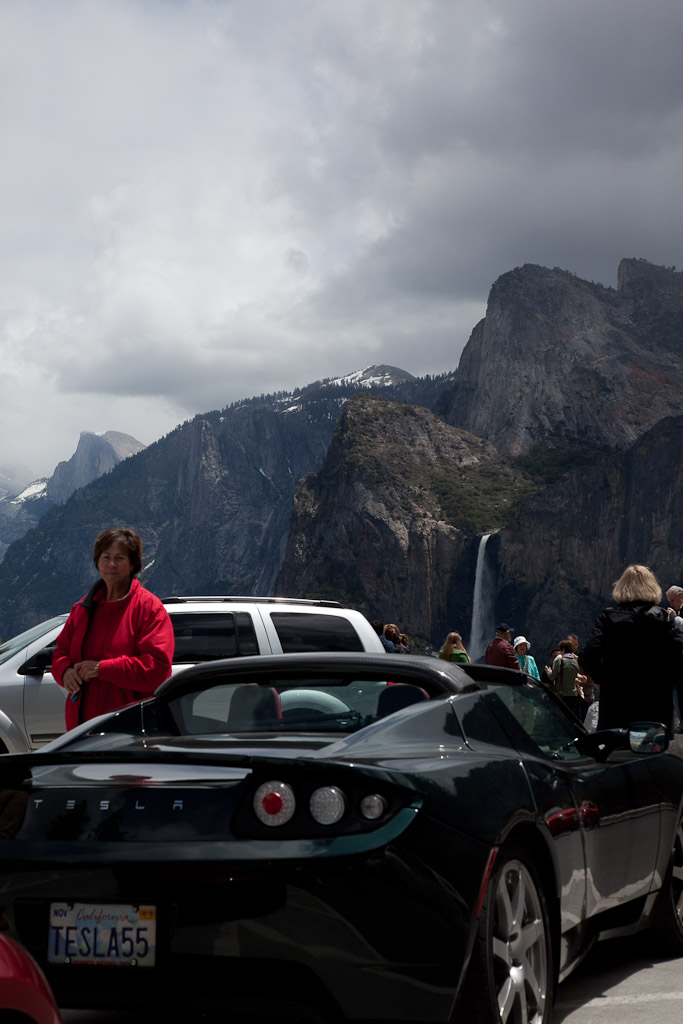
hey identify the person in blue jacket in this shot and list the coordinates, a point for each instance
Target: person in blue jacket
(526, 662)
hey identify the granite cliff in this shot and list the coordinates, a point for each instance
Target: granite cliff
(389, 522)
(558, 360)
(95, 454)
(556, 561)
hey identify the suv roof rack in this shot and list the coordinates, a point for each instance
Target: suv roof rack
(186, 599)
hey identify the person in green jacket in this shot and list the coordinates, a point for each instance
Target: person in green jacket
(454, 650)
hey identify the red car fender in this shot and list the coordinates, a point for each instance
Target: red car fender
(23, 986)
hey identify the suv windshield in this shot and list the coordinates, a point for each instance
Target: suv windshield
(17, 643)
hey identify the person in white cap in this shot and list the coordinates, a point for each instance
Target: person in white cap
(526, 662)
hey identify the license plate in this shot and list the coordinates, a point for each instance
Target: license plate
(106, 934)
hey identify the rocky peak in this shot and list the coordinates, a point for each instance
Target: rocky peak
(636, 278)
(378, 376)
(558, 360)
(95, 454)
(656, 296)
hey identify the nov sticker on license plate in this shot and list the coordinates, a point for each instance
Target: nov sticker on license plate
(106, 934)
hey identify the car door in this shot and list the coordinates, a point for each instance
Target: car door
(613, 803)
(42, 700)
(619, 809)
(504, 716)
(43, 697)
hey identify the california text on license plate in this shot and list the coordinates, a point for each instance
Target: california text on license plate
(102, 933)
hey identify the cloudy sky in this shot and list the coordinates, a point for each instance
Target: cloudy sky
(203, 200)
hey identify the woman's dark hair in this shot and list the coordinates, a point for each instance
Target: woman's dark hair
(123, 535)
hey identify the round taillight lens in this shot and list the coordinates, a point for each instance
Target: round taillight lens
(373, 806)
(327, 805)
(274, 803)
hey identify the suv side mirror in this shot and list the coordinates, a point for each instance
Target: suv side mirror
(601, 744)
(39, 663)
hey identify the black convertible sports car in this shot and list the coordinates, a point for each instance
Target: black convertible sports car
(339, 837)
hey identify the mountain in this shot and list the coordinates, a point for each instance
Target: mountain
(557, 433)
(588, 421)
(95, 454)
(212, 500)
(20, 512)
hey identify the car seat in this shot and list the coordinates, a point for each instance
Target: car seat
(397, 696)
(251, 706)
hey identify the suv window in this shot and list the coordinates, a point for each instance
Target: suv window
(206, 636)
(309, 631)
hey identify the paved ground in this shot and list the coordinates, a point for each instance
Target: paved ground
(620, 984)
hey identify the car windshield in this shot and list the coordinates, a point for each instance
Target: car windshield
(545, 722)
(308, 705)
(17, 643)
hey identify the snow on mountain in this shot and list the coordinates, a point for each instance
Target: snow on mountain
(381, 376)
(34, 490)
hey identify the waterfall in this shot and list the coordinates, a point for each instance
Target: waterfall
(481, 630)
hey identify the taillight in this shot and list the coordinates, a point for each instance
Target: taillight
(373, 806)
(274, 803)
(303, 807)
(327, 805)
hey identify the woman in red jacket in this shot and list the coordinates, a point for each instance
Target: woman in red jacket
(117, 644)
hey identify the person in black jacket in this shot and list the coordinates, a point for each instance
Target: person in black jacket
(634, 654)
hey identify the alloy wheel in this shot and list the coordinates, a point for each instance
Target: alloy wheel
(519, 947)
(677, 875)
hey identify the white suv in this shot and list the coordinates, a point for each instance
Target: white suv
(206, 628)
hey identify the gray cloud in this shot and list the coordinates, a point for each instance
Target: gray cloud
(205, 200)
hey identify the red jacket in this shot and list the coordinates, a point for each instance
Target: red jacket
(500, 652)
(133, 641)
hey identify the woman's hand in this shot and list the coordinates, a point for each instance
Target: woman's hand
(87, 670)
(72, 680)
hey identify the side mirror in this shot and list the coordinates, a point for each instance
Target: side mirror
(648, 738)
(601, 744)
(39, 663)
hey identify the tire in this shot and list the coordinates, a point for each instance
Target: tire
(511, 977)
(668, 926)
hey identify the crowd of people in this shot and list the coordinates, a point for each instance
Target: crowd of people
(629, 669)
(563, 672)
(393, 641)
